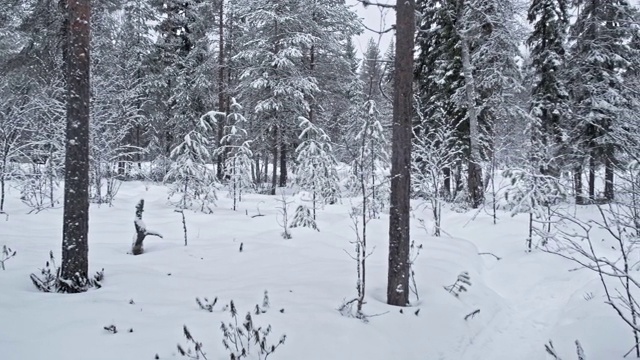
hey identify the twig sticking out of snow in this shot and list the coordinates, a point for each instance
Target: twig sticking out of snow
(488, 253)
(5, 255)
(472, 314)
(460, 285)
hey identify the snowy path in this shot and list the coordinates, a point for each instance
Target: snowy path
(534, 304)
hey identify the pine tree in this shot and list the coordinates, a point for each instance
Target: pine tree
(180, 70)
(601, 59)
(399, 233)
(272, 76)
(368, 180)
(371, 72)
(238, 159)
(549, 98)
(189, 175)
(75, 248)
(135, 46)
(439, 75)
(316, 170)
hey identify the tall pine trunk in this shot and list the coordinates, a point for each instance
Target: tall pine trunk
(221, 92)
(75, 248)
(283, 162)
(608, 172)
(577, 184)
(399, 234)
(446, 172)
(274, 171)
(592, 176)
(474, 170)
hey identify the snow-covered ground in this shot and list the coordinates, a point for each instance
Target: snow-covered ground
(525, 299)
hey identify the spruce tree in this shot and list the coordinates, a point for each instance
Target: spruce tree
(549, 97)
(439, 77)
(316, 170)
(602, 58)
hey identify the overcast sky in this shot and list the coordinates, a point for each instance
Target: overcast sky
(375, 18)
(381, 19)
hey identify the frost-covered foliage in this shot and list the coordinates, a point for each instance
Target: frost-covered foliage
(316, 171)
(238, 154)
(549, 103)
(553, 353)
(241, 337)
(189, 177)
(460, 285)
(38, 186)
(604, 60)
(244, 338)
(303, 218)
(534, 193)
(5, 255)
(435, 149)
(369, 168)
(50, 280)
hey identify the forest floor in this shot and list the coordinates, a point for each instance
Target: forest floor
(525, 298)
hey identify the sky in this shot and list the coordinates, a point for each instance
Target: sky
(375, 18)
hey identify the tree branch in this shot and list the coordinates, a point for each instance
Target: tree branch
(366, 3)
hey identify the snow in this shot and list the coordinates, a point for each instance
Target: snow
(525, 299)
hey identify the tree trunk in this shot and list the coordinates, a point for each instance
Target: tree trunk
(474, 174)
(266, 165)
(399, 234)
(283, 162)
(592, 177)
(608, 172)
(75, 248)
(258, 173)
(577, 184)
(221, 94)
(447, 183)
(274, 171)
(3, 169)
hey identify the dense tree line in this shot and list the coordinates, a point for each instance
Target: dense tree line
(251, 94)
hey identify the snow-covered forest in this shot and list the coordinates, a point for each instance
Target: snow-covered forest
(228, 179)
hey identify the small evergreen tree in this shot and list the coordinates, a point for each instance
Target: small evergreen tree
(189, 175)
(316, 171)
(371, 162)
(238, 159)
(435, 150)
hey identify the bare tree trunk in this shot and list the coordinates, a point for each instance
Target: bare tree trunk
(274, 171)
(592, 176)
(608, 173)
(221, 90)
(266, 165)
(399, 234)
(283, 162)
(577, 184)
(258, 173)
(474, 170)
(447, 182)
(75, 248)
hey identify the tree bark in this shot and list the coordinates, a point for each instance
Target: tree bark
(592, 176)
(399, 234)
(75, 248)
(608, 172)
(447, 183)
(283, 162)
(577, 184)
(221, 92)
(274, 171)
(474, 170)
